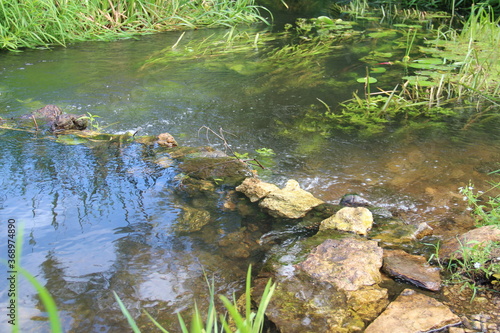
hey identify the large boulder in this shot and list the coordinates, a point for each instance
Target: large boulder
(413, 312)
(352, 219)
(411, 268)
(348, 264)
(332, 290)
(290, 202)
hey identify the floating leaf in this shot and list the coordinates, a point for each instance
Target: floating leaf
(378, 70)
(370, 80)
(70, 140)
(380, 34)
(325, 20)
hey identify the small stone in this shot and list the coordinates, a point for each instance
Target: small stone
(166, 140)
(351, 219)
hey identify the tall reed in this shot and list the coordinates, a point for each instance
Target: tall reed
(35, 23)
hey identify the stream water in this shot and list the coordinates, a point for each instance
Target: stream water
(98, 219)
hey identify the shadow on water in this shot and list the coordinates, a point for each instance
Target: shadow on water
(101, 217)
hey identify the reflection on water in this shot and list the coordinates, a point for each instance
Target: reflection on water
(101, 217)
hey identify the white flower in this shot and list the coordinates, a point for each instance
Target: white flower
(477, 265)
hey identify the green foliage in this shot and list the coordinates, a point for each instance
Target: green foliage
(93, 122)
(485, 209)
(41, 23)
(249, 322)
(479, 263)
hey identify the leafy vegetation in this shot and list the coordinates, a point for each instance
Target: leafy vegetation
(479, 264)
(28, 24)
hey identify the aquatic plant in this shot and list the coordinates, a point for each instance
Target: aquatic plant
(251, 321)
(29, 24)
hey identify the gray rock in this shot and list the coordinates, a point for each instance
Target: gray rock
(290, 202)
(348, 264)
(413, 312)
(411, 268)
(354, 200)
(358, 220)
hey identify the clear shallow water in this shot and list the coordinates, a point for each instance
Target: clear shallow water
(99, 218)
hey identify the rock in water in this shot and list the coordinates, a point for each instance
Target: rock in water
(411, 268)
(166, 140)
(413, 312)
(65, 122)
(348, 264)
(290, 202)
(256, 189)
(352, 219)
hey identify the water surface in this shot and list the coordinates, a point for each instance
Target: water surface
(99, 217)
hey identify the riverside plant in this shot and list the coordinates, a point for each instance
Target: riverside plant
(249, 322)
(29, 24)
(479, 264)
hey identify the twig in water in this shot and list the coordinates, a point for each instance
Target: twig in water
(34, 120)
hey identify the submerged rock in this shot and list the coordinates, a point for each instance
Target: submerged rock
(413, 312)
(348, 264)
(411, 268)
(221, 170)
(290, 202)
(358, 220)
(332, 290)
(49, 112)
(192, 219)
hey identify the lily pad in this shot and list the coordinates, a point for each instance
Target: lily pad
(378, 70)
(370, 80)
(70, 140)
(421, 81)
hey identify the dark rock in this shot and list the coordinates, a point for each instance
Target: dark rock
(411, 268)
(354, 200)
(66, 122)
(48, 112)
(222, 170)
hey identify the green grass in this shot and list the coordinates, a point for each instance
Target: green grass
(248, 322)
(42, 23)
(478, 266)
(47, 300)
